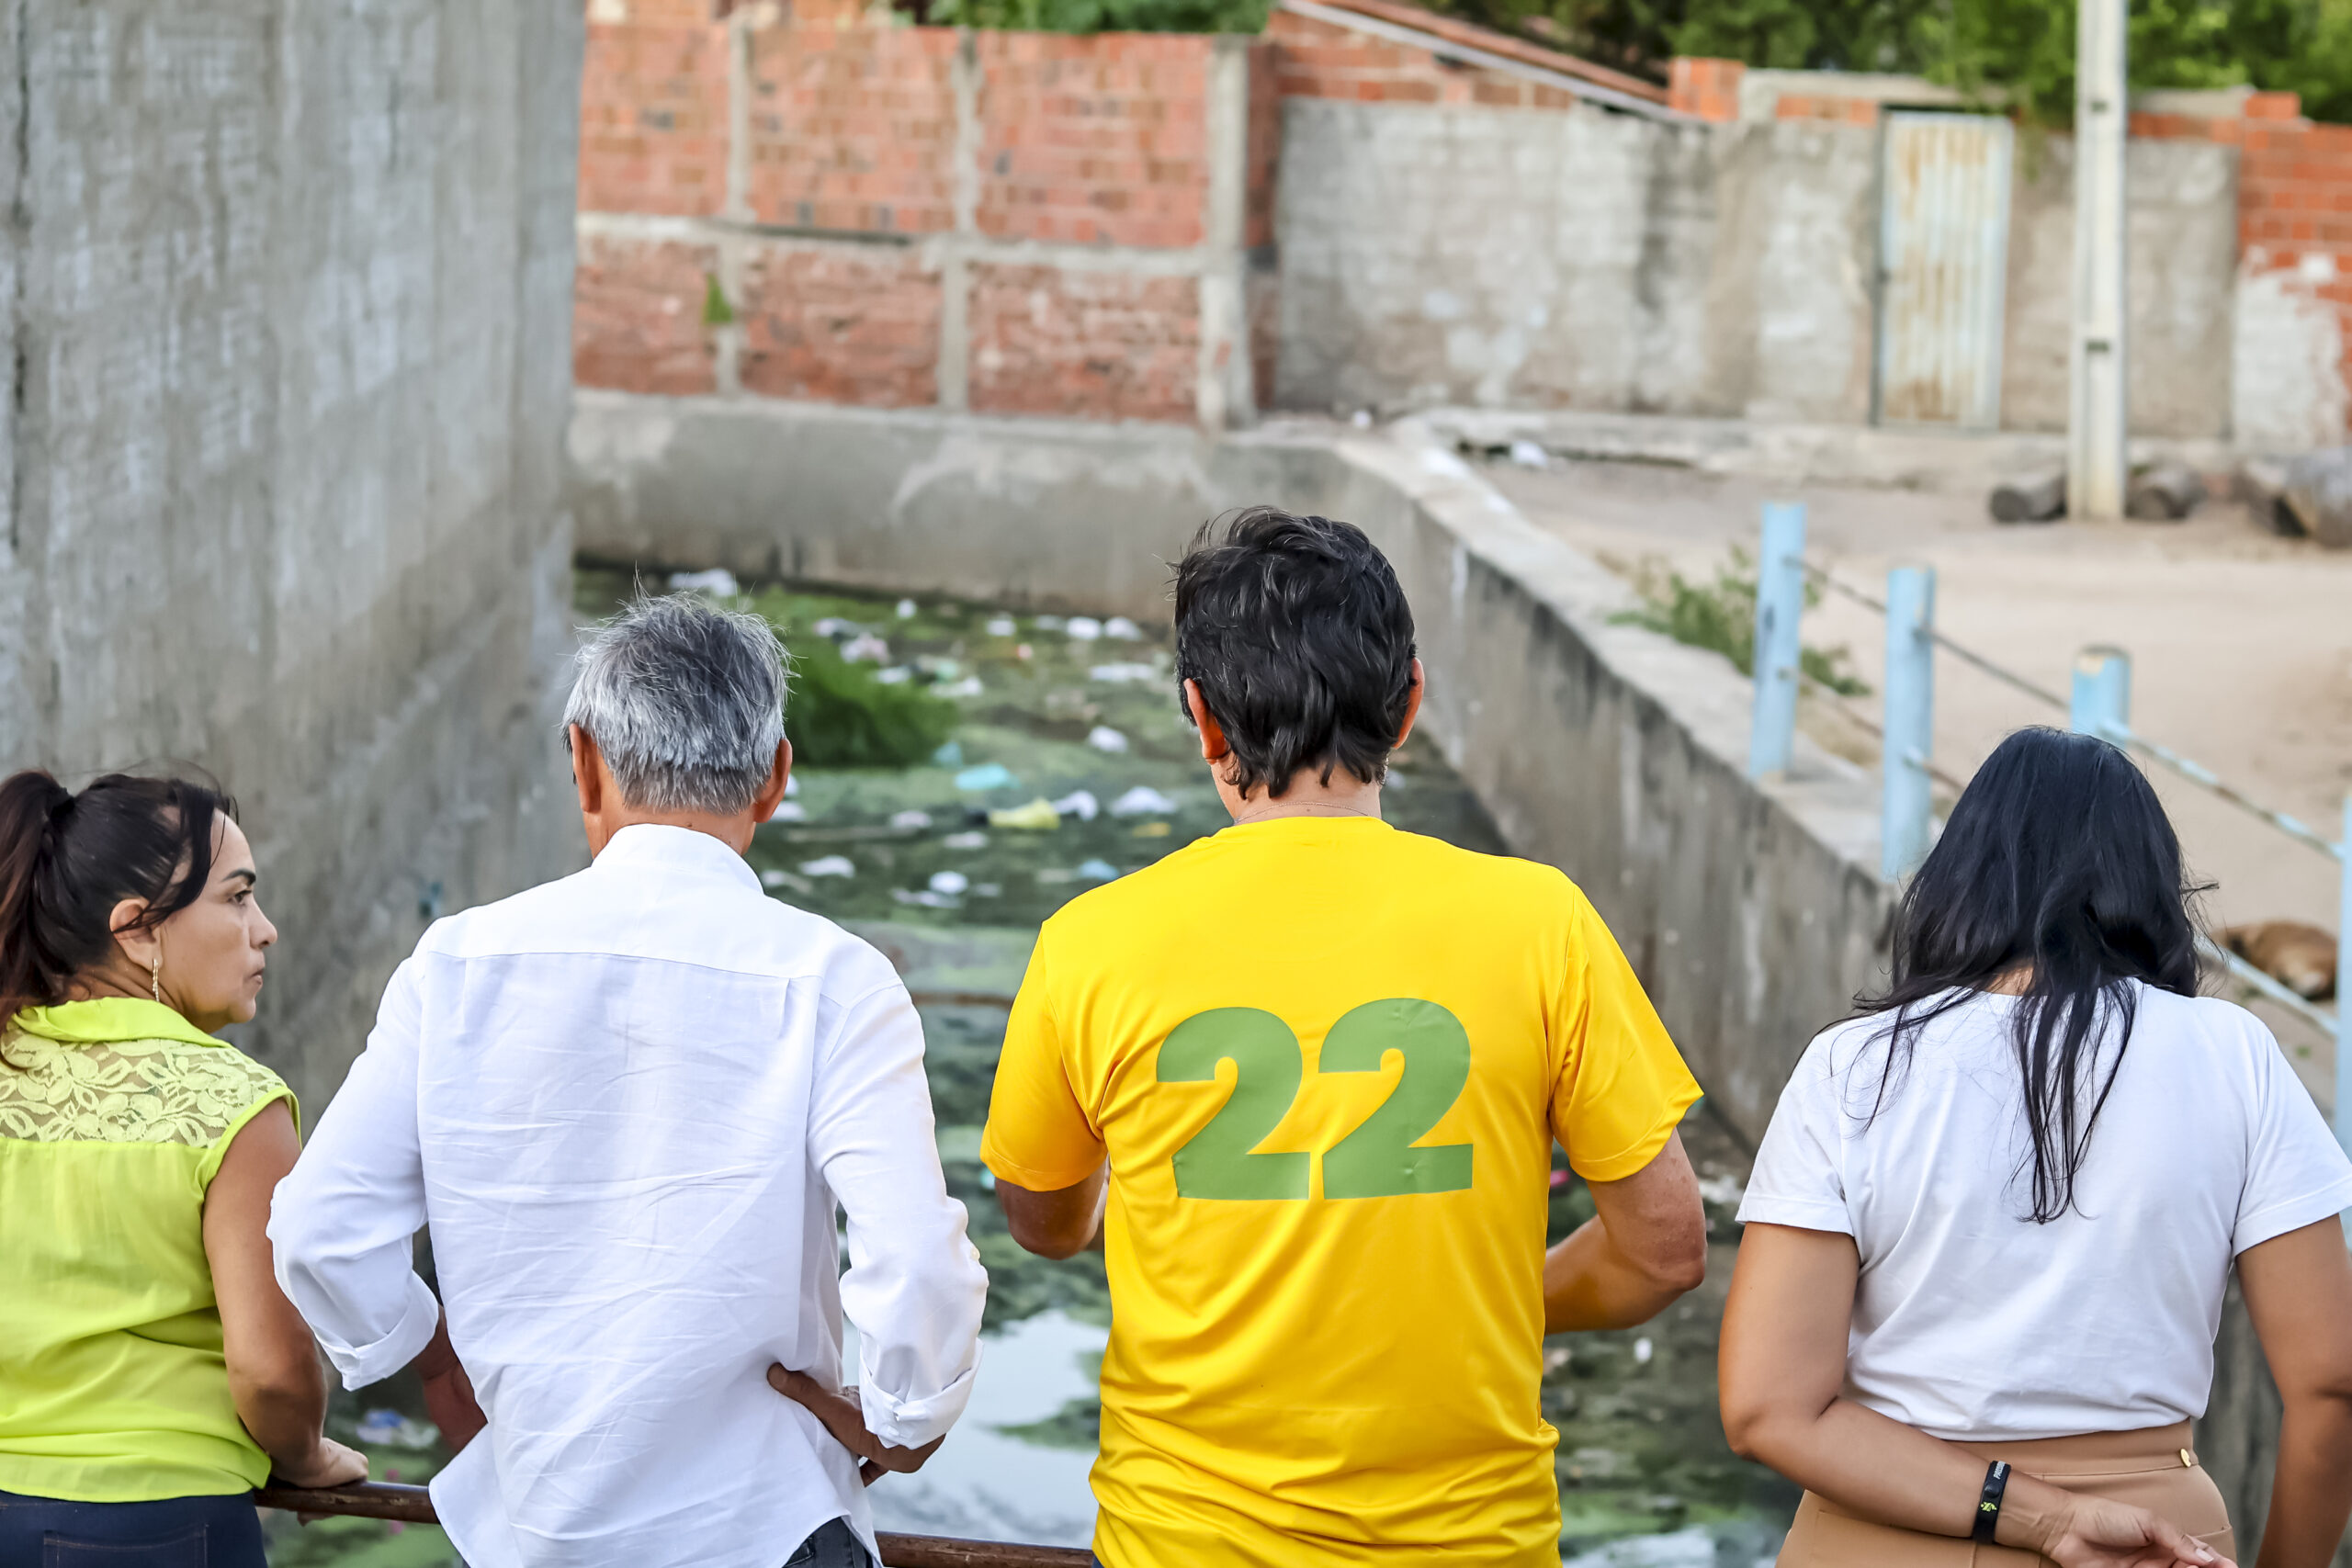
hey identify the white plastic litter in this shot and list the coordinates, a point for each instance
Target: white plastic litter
(1122, 629)
(1085, 628)
(1121, 674)
(866, 646)
(984, 776)
(910, 819)
(985, 889)
(1143, 801)
(970, 686)
(718, 581)
(1047, 622)
(949, 882)
(829, 865)
(788, 811)
(1081, 803)
(791, 786)
(1643, 1351)
(927, 898)
(1102, 738)
(906, 609)
(1003, 626)
(1530, 454)
(897, 675)
(975, 839)
(772, 879)
(1361, 419)
(833, 626)
(1095, 871)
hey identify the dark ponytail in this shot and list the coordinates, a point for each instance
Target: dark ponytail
(2058, 858)
(67, 860)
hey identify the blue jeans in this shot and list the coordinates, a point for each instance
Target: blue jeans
(177, 1532)
(834, 1546)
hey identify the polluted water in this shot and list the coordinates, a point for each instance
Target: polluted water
(963, 771)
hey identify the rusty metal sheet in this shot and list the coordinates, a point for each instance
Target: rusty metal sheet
(1944, 244)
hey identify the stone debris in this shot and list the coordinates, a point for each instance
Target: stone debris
(2029, 498)
(2318, 494)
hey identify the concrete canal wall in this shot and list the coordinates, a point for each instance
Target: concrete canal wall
(283, 316)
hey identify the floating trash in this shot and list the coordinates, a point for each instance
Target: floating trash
(1102, 738)
(1122, 629)
(792, 784)
(910, 819)
(949, 882)
(1047, 622)
(897, 675)
(1643, 1351)
(987, 890)
(774, 879)
(1123, 674)
(939, 668)
(829, 865)
(865, 647)
(985, 776)
(1081, 803)
(1054, 873)
(835, 627)
(391, 1429)
(788, 811)
(1361, 419)
(951, 755)
(1003, 626)
(718, 581)
(1143, 801)
(1023, 651)
(1152, 831)
(906, 609)
(1095, 871)
(970, 686)
(965, 841)
(1083, 629)
(1038, 817)
(926, 898)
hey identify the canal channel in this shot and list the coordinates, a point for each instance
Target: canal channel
(965, 771)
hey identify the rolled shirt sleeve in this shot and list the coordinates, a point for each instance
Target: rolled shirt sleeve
(915, 1288)
(343, 1224)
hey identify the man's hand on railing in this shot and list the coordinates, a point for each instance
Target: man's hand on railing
(844, 1417)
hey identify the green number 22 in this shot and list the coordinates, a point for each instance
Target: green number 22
(1376, 1160)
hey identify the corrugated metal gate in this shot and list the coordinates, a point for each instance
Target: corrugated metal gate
(1944, 241)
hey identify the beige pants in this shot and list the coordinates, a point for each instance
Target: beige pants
(2143, 1469)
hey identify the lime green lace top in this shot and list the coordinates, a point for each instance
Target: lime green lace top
(114, 1117)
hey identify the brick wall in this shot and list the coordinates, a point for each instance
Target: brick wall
(905, 217)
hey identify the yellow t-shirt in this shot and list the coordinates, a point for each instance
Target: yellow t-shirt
(114, 1118)
(1328, 1061)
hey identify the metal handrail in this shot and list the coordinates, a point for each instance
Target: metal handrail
(1968, 656)
(413, 1506)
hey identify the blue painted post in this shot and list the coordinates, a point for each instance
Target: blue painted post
(1779, 610)
(2101, 704)
(1907, 812)
(2343, 981)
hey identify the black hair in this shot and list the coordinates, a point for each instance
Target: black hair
(1301, 643)
(2058, 859)
(67, 860)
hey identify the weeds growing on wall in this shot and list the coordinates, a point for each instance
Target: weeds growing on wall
(1721, 616)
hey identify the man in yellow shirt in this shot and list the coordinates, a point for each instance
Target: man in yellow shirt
(1304, 1078)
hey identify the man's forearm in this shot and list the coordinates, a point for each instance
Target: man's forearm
(1589, 1282)
(2312, 1494)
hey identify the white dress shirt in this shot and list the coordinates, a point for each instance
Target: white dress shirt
(627, 1103)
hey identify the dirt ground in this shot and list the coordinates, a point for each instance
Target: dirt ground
(2241, 643)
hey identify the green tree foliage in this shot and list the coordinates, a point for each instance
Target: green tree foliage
(2019, 51)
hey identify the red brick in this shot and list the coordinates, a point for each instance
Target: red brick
(841, 324)
(1084, 345)
(637, 316)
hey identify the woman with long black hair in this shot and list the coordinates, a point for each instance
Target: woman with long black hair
(151, 1373)
(1991, 1225)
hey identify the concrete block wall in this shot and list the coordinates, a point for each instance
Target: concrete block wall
(287, 322)
(819, 206)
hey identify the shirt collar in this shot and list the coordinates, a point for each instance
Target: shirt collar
(107, 1019)
(659, 846)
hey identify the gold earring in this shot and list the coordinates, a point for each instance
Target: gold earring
(155, 976)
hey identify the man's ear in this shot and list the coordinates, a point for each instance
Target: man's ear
(1213, 746)
(587, 771)
(1412, 704)
(770, 794)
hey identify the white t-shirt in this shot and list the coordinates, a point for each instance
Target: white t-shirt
(1971, 1322)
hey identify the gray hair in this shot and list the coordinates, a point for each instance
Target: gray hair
(685, 700)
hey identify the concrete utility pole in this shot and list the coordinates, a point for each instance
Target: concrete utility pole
(2098, 467)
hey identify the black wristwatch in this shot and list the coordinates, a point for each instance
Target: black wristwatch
(1988, 1506)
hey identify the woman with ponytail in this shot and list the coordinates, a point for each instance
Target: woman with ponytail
(1991, 1225)
(151, 1373)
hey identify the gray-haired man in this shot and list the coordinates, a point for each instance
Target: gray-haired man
(627, 1103)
